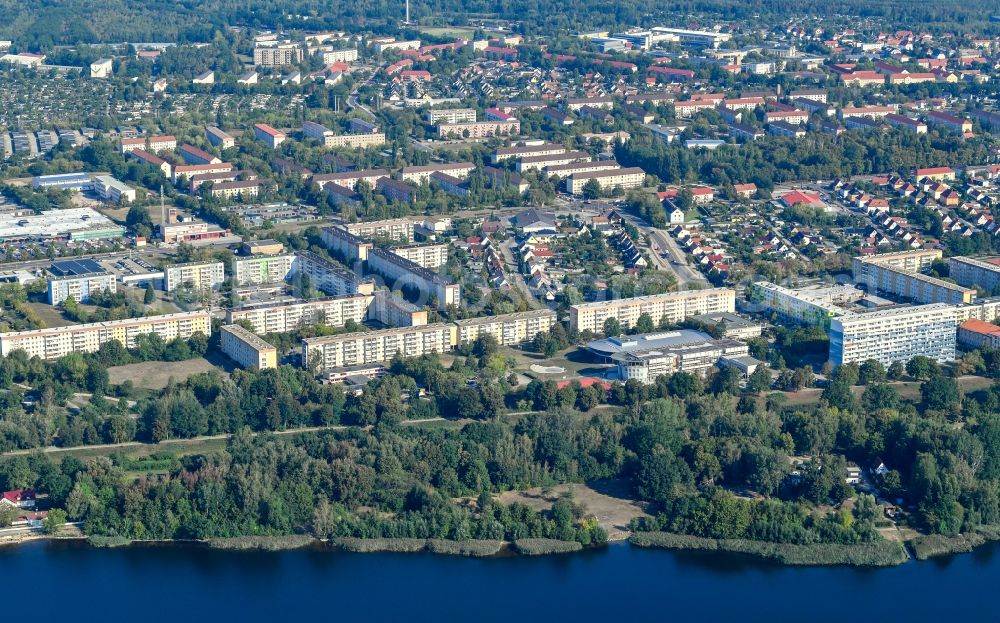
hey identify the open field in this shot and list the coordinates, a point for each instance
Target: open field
(908, 390)
(609, 501)
(573, 360)
(448, 31)
(51, 316)
(156, 374)
(177, 447)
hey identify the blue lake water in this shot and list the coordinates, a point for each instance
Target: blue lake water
(72, 582)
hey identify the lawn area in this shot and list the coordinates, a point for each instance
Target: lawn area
(180, 447)
(573, 360)
(156, 374)
(908, 390)
(448, 31)
(51, 316)
(610, 501)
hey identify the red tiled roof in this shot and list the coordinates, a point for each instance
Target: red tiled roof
(979, 326)
(19, 495)
(797, 196)
(934, 171)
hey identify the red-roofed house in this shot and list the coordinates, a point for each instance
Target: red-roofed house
(936, 173)
(745, 190)
(31, 519)
(19, 498)
(507, 54)
(398, 66)
(672, 74)
(862, 78)
(801, 197)
(416, 75)
(702, 194)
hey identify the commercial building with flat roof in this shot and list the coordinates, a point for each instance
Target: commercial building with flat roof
(56, 342)
(67, 224)
(247, 349)
(679, 351)
(113, 190)
(645, 357)
(350, 349)
(731, 325)
(63, 181)
(897, 334)
(670, 307)
(508, 329)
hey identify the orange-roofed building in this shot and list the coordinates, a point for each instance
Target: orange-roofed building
(979, 334)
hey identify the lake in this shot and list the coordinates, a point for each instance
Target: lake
(70, 581)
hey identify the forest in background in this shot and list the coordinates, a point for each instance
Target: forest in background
(40, 25)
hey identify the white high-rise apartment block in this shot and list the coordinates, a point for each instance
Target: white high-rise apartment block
(896, 334)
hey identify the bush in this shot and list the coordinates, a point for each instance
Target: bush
(108, 541)
(352, 544)
(465, 548)
(879, 554)
(264, 543)
(539, 547)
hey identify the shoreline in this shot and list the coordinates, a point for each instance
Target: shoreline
(879, 554)
(885, 554)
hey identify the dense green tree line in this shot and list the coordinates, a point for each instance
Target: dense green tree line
(774, 160)
(69, 22)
